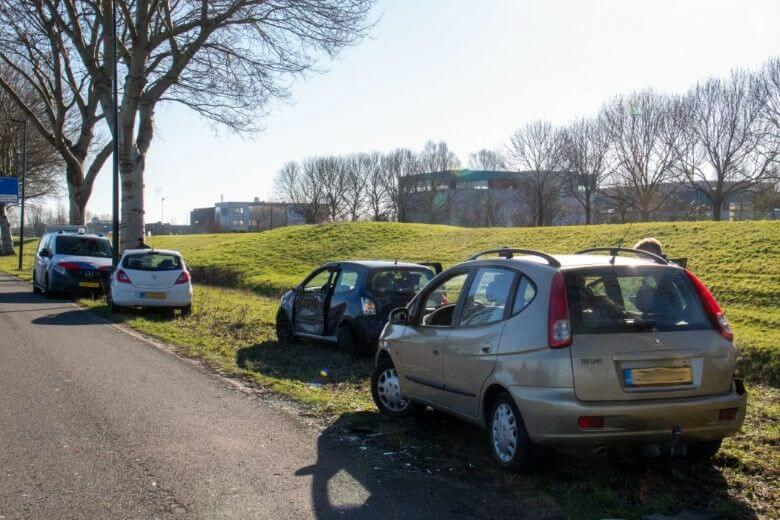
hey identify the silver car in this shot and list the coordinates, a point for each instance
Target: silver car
(584, 351)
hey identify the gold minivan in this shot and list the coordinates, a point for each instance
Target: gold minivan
(584, 351)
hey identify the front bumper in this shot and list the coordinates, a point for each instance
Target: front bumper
(551, 418)
(78, 282)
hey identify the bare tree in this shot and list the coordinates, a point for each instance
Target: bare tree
(43, 77)
(538, 149)
(377, 196)
(437, 157)
(304, 189)
(43, 163)
(726, 147)
(489, 160)
(397, 168)
(356, 172)
(586, 158)
(225, 60)
(642, 131)
(771, 84)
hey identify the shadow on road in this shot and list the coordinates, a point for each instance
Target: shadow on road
(73, 317)
(435, 453)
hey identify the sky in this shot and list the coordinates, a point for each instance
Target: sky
(466, 72)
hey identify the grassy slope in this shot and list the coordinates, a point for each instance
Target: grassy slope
(740, 261)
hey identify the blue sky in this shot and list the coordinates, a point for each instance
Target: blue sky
(457, 70)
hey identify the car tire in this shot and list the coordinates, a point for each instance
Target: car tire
(284, 329)
(186, 310)
(386, 391)
(36, 289)
(703, 451)
(508, 439)
(47, 292)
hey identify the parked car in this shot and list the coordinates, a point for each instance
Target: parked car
(348, 302)
(583, 352)
(71, 262)
(151, 278)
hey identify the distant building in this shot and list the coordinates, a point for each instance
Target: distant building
(244, 216)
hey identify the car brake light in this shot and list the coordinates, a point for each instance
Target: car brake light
(558, 324)
(369, 307)
(727, 414)
(587, 422)
(121, 277)
(711, 307)
(184, 277)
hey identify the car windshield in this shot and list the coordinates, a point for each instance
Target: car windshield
(399, 281)
(630, 299)
(152, 262)
(83, 246)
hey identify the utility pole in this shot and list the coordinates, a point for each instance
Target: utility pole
(115, 187)
(24, 174)
(162, 210)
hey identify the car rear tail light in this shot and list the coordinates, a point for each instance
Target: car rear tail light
(70, 266)
(727, 414)
(588, 422)
(558, 324)
(369, 307)
(184, 277)
(121, 277)
(711, 307)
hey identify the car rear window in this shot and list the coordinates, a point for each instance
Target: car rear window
(399, 281)
(631, 299)
(83, 246)
(152, 262)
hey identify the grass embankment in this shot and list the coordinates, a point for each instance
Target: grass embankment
(232, 329)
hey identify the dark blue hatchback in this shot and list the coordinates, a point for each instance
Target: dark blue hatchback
(348, 302)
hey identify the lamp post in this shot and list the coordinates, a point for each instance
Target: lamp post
(115, 108)
(24, 174)
(162, 210)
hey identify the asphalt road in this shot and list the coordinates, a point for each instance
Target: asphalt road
(96, 423)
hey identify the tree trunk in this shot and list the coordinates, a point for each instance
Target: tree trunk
(717, 206)
(6, 241)
(132, 191)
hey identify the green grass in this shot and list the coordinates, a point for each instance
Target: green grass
(740, 261)
(232, 330)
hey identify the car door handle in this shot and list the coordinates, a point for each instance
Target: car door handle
(435, 352)
(487, 348)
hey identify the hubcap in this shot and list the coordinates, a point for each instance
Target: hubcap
(504, 432)
(390, 392)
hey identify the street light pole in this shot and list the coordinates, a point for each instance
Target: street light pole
(24, 175)
(115, 187)
(162, 210)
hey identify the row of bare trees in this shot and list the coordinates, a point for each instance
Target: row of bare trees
(719, 139)
(361, 185)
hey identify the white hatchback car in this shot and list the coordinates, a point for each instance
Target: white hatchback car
(151, 278)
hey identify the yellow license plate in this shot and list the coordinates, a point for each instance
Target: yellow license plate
(91, 285)
(154, 295)
(658, 376)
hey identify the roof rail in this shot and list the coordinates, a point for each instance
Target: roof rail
(613, 251)
(508, 253)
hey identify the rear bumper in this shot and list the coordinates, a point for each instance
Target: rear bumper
(551, 417)
(177, 297)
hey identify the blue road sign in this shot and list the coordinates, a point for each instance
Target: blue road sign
(9, 190)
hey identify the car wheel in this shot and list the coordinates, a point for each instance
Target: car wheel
(348, 342)
(386, 391)
(113, 308)
(703, 451)
(284, 330)
(36, 289)
(509, 442)
(47, 292)
(186, 310)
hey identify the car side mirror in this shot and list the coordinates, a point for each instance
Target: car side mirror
(45, 252)
(399, 316)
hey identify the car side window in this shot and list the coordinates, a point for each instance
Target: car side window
(488, 297)
(347, 281)
(526, 291)
(440, 302)
(319, 281)
(44, 243)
